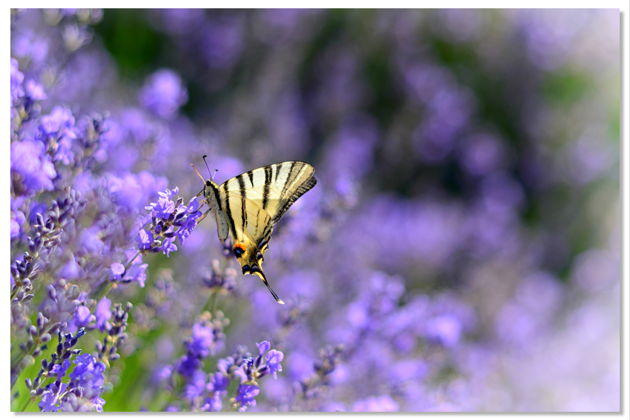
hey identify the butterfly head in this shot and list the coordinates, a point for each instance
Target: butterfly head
(209, 186)
(211, 193)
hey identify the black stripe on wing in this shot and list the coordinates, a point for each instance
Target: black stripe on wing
(267, 183)
(303, 188)
(290, 177)
(241, 185)
(228, 213)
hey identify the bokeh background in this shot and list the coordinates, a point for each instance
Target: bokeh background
(460, 252)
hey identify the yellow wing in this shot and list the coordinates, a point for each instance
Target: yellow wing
(253, 202)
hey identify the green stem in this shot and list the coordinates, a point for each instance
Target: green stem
(210, 302)
(27, 402)
(214, 301)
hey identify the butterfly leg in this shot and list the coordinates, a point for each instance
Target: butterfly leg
(203, 216)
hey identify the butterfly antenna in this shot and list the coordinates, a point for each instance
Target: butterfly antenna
(212, 174)
(207, 167)
(198, 173)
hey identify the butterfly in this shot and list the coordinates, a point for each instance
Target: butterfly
(248, 206)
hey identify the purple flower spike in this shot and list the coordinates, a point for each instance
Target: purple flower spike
(88, 374)
(34, 90)
(50, 402)
(218, 383)
(31, 167)
(57, 131)
(17, 77)
(60, 370)
(207, 339)
(245, 396)
(202, 339)
(103, 313)
(169, 221)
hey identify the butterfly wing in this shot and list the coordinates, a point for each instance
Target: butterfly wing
(222, 224)
(246, 220)
(256, 200)
(253, 203)
(211, 192)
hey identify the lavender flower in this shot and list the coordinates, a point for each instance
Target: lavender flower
(247, 369)
(58, 133)
(83, 391)
(17, 223)
(88, 375)
(84, 385)
(329, 359)
(246, 396)
(115, 333)
(169, 221)
(217, 388)
(221, 280)
(103, 314)
(17, 77)
(25, 98)
(31, 168)
(48, 228)
(82, 316)
(207, 338)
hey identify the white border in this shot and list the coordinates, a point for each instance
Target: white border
(5, 163)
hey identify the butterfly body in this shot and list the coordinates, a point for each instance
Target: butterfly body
(248, 206)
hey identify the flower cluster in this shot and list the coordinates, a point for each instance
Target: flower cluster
(218, 279)
(169, 221)
(206, 391)
(25, 97)
(329, 359)
(247, 369)
(75, 380)
(207, 339)
(114, 325)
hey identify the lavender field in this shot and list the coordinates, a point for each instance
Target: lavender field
(459, 252)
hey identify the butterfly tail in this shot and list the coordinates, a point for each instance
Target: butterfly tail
(260, 274)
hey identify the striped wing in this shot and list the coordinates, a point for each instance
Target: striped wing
(254, 201)
(211, 192)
